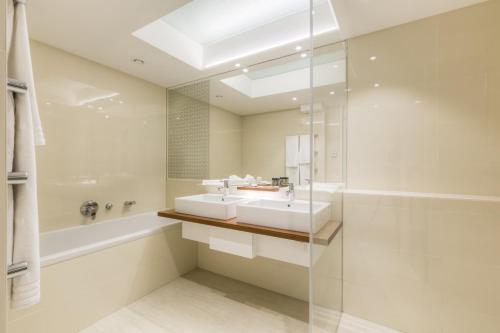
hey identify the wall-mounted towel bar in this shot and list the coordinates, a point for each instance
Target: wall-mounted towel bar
(17, 86)
(17, 178)
(17, 270)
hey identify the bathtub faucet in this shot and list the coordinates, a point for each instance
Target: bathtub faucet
(129, 203)
(89, 209)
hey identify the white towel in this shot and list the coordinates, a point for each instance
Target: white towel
(28, 132)
(304, 156)
(20, 66)
(292, 151)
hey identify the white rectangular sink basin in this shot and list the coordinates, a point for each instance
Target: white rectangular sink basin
(283, 214)
(209, 205)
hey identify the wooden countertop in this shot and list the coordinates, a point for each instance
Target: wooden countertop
(263, 188)
(322, 237)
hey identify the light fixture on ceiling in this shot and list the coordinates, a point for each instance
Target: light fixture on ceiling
(332, 92)
(303, 55)
(237, 65)
(298, 48)
(245, 70)
(294, 99)
(138, 61)
(100, 108)
(376, 85)
(373, 58)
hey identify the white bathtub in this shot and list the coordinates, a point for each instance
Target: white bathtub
(60, 245)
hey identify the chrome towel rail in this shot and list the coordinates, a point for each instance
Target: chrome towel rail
(17, 178)
(16, 86)
(17, 269)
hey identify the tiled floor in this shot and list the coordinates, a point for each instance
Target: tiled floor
(203, 302)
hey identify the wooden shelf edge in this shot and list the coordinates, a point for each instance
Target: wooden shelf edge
(322, 237)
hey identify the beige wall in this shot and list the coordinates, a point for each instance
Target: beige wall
(105, 134)
(425, 264)
(263, 143)
(433, 124)
(3, 171)
(78, 292)
(225, 150)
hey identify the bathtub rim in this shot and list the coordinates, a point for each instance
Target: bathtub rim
(55, 258)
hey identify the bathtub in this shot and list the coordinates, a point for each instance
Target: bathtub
(65, 244)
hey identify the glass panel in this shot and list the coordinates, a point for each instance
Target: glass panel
(326, 175)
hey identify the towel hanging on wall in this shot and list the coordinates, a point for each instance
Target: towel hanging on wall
(27, 132)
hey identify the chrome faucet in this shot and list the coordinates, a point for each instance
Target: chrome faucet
(224, 189)
(291, 192)
(89, 209)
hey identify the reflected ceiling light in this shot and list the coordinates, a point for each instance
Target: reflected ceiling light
(298, 48)
(106, 116)
(245, 70)
(294, 99)
(376, 85)
(99, 108)
(373, 58)
(332, 92)
(335, 66)
(121, 102)
(418, 101)
(237, 65)
(303, 55)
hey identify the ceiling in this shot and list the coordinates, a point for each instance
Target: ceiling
(102, 31)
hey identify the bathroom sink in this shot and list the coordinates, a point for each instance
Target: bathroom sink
(284, 214)
(209, 205)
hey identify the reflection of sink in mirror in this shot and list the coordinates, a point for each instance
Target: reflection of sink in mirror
(284, 214)
(209, 205)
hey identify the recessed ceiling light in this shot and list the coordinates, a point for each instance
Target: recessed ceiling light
(373, 58)
(138, 61)
(237, 65)
(99, 108)
(376, 85)
(294, 99)
(121, 102)
(332, 92)
(245, 70)
(298, 48)
(303, 55)
(106, 116)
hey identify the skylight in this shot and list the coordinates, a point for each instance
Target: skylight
(207, 33)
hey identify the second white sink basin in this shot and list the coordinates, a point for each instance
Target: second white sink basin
(209, 205)
(283, 214)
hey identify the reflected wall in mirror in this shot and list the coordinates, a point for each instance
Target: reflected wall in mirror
(259, 118)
